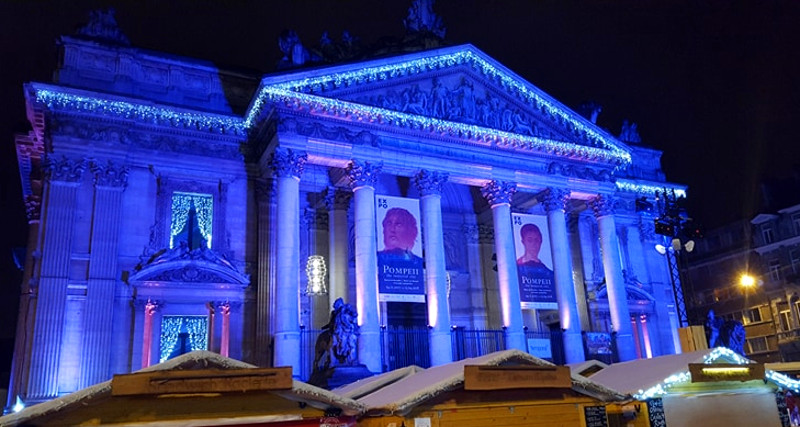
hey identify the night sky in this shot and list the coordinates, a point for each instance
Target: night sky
(713, 84)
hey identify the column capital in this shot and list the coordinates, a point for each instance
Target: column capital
(430, 182)
(363, 173)
(152, 306)
(602, 205)
(337, 198)
(498, 192)
(554, 199)
(109, 175)
(64, 169)
(286, 162)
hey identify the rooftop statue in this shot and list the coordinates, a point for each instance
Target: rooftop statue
(294, 53)
(103, 26)
(590, 110)
(422, 18)
(629, 133)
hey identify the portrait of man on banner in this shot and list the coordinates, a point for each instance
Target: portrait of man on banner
(400, 267)
(534, 262)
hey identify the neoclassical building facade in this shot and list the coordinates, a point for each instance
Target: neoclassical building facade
(174, 206)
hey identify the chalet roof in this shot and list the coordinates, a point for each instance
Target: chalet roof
(301, 392)
(401, 396)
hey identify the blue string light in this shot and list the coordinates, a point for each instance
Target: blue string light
(648, 189)
(59, 98)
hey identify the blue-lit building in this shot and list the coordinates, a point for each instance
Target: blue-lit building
(174, 206)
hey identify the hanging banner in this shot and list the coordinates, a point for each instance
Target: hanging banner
(534, 262)
(400, 273)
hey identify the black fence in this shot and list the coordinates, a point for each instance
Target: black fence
(405, 346)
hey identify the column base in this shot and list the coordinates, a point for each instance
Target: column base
(626, 349)
(515, 340)
(287, 351)
(441, 347)
(573, 348)
(369, 350)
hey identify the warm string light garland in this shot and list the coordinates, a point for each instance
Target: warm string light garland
(719, 352)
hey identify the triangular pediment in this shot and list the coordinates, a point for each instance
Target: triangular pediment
(196, 266)
(458, 91)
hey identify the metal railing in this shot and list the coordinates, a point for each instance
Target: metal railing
(404, 346)
(308, 342)
(476, 342)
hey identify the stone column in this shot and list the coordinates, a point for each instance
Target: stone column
(24, 330)
(63, 178)
(603, 207)
(363, 176)
(267, 258)
(98, 317)
(224, 310)
(429, 185)
(150, 309)
(555, 204)
(288, 166)
(498, 194)
(337, 201)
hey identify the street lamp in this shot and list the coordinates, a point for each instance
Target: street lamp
(679, 231)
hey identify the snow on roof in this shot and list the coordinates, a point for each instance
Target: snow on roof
(593, 365)
(368, 385)
(642, 374)
(403, 395)
(314, 396)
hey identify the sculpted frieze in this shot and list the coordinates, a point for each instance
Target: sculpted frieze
(458, 100)
(581, 172)
(111, 134)
(319, 130)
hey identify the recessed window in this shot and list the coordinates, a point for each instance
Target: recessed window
(757, 344)
(192, 217)
(775, 270)
(752, 315)
(766, 233)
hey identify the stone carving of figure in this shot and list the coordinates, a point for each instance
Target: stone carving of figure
(294, 53)
(421, 18)
(629, 133)
(438, 99)
(466, 96)
(102, 25)
(336, 345)
(591, 110)
(521, 125)
(725, 333)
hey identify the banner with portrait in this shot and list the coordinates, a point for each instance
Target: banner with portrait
(400, 273)
(537, 287)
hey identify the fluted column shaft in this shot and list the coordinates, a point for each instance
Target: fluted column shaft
(363, 176)
(429, 185)
(499, 194)
(615, 282)
(63, 180)
(555, 201)
(265, 197)
(337, 202)
(288, 166)
(110, 182)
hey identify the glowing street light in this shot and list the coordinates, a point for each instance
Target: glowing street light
(747, 281)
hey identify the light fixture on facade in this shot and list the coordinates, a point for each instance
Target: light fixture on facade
(316, 271)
